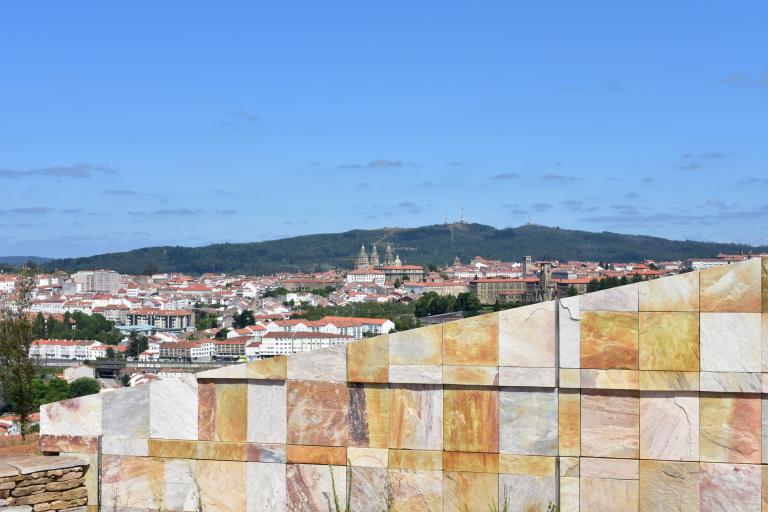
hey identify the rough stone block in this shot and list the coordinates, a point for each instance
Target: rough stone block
(369, 415)
(471, 419)
(730, 428)
(472, 341)
(609, 340)
(528, 421)
(669, 425)
(610, 424)
(732, 288)
(318, 413)
(267, 412)
(325, 364)
(368, 360)
(669, 341)
(416, 420)
(673, 293)
(730, 342)
(527, 336)
(422, 346)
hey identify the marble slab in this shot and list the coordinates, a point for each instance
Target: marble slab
(271, 368)
(471, 419)
(309, 487)
(472, 341)
(471, 462)
(368, 457)
(731, 382)
(416, 490)
(267, 412)
(125, 412)
(620, 469)
(730, 428)
(471, 375)
(610, 379)
(469, 492)
(325, 364)
(124, 446)
(672, 293)
(528, 421)
(609, 495)
(610, 424)
(609, 340)
(231, 372)
(669, 425)
(74, 417)
(669, 381)
(668, 486)
(369, 489)
(222, 485)
(415, 374)
(726, 487)
(569, 318)
(416, 459)
(317, 413)
(173, 408)
(368, 360)
(731, 342)
(231, 416)
(422, 346)
(669, 341)
(732, 288)
(526, 492)
(416, 417)
(265, 487)
(528, 465)
(527, 336)
(526, 377)
(621, 298)
(569, 422)
(369, 415)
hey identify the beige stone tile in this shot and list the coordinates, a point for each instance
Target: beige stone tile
(527, 336)
(669, 425)
(673, 293)
(422, 346)
(732, 288)
(610, 424)
(609, 340)
(472, 341)
(669, 341)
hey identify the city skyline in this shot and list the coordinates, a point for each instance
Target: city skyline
(159, 125)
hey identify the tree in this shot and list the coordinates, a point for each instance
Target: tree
(38, 327)
(137, 343)
(244, 318)
(57, 389)
(222, 334)
(111, 354)
(398, 284)
(17, 369)
(84, 386)
(572, 291)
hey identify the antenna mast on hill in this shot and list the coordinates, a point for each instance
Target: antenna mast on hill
(462, 216)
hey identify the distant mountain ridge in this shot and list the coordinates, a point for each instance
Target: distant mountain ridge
(20, 260)
(437, 244)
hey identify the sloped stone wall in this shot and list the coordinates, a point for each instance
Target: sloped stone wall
(647, 397)
(42, 484)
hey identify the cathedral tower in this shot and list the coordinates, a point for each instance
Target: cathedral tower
(362, 258)
(374, 257)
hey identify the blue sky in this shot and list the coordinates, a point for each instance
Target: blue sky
(149, 123)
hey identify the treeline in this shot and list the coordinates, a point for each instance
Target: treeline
(437, 244)
(611, 282)
(46, 390)
(76, 326)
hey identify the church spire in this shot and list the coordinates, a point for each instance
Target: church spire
(362, 258)
(374, 257)
(389, 257)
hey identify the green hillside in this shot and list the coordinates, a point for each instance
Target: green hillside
(436, 244)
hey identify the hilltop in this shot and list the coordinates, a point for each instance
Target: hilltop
(437, 244)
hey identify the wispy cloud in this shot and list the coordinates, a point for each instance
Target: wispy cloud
(169, 212)
(748, 79)
(541, 207)
(32, 210)
(79, 170)
(559, 177)
(245, 116)
(410, 207)
(695, 161)
(506, 176)
(752, 180)
(373, 164)
(119, 192)
(227, 212)
(578, 206)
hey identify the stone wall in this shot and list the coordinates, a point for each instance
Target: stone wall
(43, 484)
(647, 397)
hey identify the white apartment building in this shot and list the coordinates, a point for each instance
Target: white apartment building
(98, 281)
(284, 343)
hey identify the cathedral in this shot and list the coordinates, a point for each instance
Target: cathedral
(390, 260)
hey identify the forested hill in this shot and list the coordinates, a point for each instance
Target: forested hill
(436, 244)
